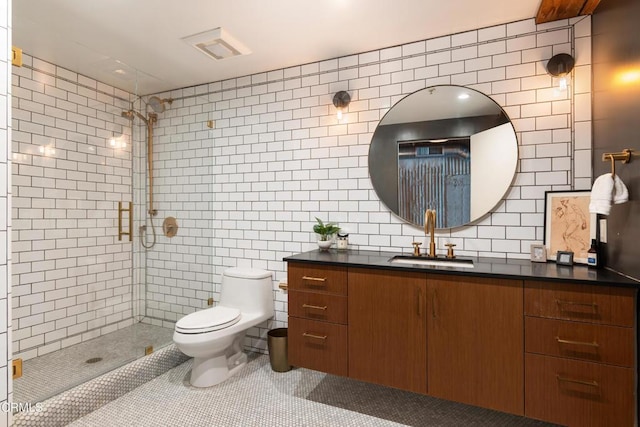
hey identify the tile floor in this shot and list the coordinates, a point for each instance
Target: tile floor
(79, 401)
(55, 372)
(257, 396)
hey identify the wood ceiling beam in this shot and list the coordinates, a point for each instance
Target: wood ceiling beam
(589, 7)
(552, 10)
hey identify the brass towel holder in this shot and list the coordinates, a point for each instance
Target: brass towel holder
(624, 156)
(130, 211)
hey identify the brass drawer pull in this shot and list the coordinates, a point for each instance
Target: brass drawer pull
(571, 342)
(318, 337)
(593, 305)
(315, 307)
(581, 382)
(319, 280)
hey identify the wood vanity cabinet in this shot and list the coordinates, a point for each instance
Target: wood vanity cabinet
(317, 336)
(388, 328)
(475, 341)
(559, 352)
(580, 354)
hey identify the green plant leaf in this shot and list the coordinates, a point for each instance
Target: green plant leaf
(325, 230)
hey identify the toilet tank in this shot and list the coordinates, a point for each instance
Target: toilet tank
(248, 289)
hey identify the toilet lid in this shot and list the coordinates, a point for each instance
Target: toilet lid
(211, 319)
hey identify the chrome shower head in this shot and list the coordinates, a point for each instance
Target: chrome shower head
(157, 104)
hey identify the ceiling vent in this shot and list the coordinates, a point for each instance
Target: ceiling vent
(217, 44)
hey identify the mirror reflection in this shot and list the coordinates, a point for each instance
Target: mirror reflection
(448, 148)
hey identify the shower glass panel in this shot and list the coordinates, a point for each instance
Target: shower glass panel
(79, 292)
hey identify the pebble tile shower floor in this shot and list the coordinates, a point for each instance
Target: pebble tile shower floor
(81, 400)
(47, 375)
(257, 396)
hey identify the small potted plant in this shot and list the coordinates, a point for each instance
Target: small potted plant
(326, 232)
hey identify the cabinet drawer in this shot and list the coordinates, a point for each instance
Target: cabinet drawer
(587, 303)
(318, 278)
(315, 306)
(576, 393)
(577, 340)
(319, 346)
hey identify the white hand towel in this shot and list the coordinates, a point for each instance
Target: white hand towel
(602, 194)
(620, 192)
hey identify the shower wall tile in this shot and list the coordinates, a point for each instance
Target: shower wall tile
(246, 192)
(6, 225)
(72, 163)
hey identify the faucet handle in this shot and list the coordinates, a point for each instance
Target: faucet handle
(416, 248)
(450, 247)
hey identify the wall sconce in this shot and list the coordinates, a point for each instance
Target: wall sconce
(341, 100)
(559, 66)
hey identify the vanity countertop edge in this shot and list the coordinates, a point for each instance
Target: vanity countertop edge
(518, 269)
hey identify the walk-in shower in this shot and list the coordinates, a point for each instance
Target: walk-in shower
(83, 313)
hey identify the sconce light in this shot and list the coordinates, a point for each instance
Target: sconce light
(559, 66)
(341, 100)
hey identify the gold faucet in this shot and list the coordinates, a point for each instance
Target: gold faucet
(429, 228)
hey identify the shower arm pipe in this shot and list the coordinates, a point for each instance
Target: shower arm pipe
(140, 116)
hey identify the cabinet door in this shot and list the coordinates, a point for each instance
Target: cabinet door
(323, 307)
(321, 346)
(387, 328)
(612, 345)
(575, 393)
(475, 341)
(606, 305)
(327, 279)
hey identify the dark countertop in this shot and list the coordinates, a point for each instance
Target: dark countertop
(483, 267)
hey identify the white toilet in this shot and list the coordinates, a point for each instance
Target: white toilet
(213, 337)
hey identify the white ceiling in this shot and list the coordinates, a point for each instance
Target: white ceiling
(142, 38)
(439, 104)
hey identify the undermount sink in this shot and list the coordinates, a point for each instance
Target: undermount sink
(435, 262)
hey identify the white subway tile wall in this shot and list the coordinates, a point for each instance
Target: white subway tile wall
(72, 164)
(246, 192)
(6, 383)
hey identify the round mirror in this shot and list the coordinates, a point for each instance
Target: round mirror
(448, 148)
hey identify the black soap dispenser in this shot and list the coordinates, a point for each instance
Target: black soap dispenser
(593, 255)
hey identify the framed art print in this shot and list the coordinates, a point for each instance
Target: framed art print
(568, 224)
(538, 253)
(564, 258)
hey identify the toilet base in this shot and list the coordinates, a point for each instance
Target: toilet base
(209, 371)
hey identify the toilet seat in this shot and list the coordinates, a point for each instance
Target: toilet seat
(209, 320)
